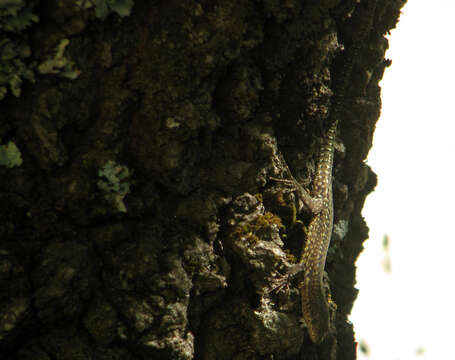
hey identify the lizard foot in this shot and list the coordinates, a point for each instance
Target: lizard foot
(292, 183)
(284, 281)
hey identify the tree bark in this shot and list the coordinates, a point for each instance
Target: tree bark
(137, 215)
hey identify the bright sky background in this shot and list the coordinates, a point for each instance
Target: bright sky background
(413, 307)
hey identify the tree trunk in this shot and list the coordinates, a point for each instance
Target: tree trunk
(137, 143)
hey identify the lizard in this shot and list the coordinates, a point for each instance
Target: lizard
(316, 304)
(315, 309)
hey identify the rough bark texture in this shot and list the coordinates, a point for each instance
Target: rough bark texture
(137, 215)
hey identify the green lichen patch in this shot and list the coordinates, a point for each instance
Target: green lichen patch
(113, 184)
(10, 155)
(13, 68)
(60, 64)
(254, 231)
(104, 7)
(16, 15)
